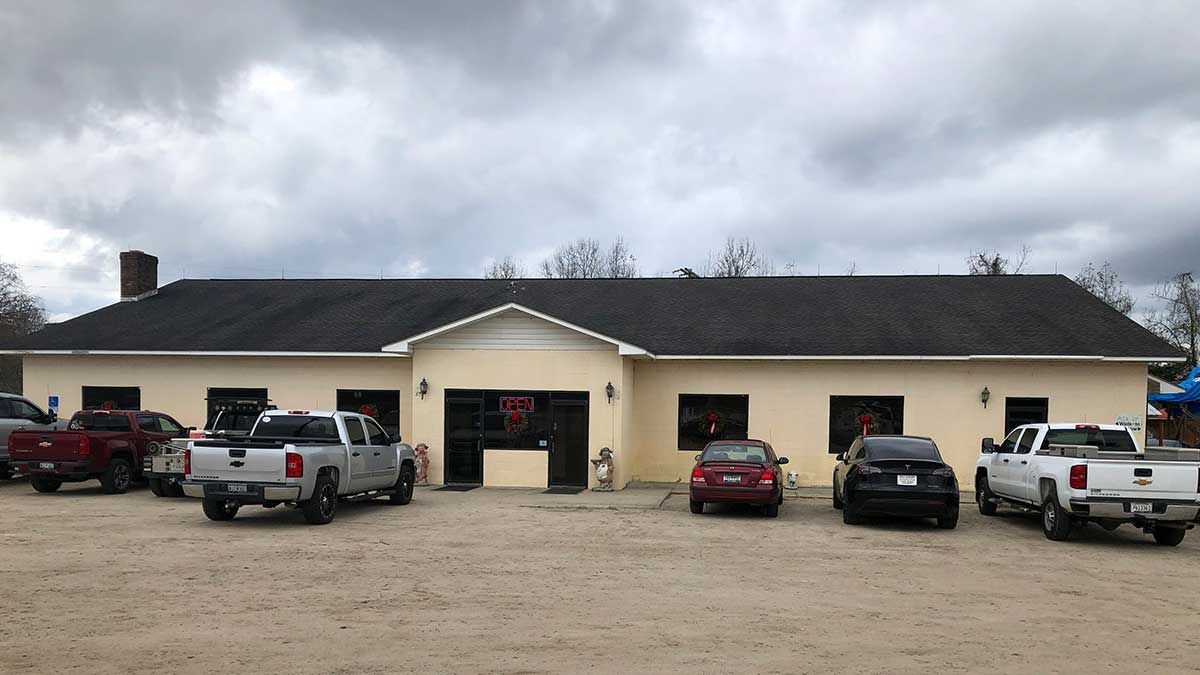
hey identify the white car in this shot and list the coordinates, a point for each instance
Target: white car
(1089, 473)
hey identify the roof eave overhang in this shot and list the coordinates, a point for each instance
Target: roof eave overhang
(133, 352)
(406, 345)
(914, 357)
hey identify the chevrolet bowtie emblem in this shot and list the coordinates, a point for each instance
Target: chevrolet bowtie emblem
(1143, 481)
(45, 444)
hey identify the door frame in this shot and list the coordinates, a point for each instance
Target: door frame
(478, 402)
(587, 418)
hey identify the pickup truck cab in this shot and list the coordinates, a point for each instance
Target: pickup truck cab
(310, 459)
(97, 444)
(1089, 473)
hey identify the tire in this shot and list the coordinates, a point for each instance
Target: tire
(321, 508)
(1169, 536)
(1056, 522)
(45, 484)
(404, 485)
(116, 478)
(6, 472)
(983, 497)
(157, 487)
(696, 507)
(771, 510)
(219, 509)
(837, 499)
(950, 520)
(850, 516)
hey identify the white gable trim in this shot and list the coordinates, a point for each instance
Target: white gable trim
(405, 346)
(142, 352)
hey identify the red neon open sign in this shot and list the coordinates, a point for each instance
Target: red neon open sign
(517, 403)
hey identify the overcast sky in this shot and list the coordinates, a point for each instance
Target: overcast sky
(243, 139)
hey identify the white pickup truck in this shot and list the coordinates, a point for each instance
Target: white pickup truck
(1090, 473)
(308, 458)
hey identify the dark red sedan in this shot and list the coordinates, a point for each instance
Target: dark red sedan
(739, 472)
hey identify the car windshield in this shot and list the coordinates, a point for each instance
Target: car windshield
(1110, 440)
(295, 426)
(902, 448)
(734, 453)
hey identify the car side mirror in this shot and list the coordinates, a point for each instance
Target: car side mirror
(988, 446)
(783, 460)
(841, 457)
(394, 438)
(697, 458)
(51, 417)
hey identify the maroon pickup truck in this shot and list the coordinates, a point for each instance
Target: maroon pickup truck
(104, 444)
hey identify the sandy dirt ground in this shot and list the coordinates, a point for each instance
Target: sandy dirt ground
(481, 582)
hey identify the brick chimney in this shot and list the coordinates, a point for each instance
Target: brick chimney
(139, 276)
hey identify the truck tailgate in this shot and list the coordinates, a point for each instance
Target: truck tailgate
(59, 446)
(1143, 480)
(251, 463)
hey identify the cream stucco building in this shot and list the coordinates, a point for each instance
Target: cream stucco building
(521, 383)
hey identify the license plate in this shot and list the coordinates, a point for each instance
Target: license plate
(46, 465)
(906, 480)
(235, 487)
(1141, 507)
(733, 478)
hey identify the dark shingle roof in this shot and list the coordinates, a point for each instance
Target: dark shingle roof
(809, 316)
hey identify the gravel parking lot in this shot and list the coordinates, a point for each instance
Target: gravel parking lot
(482, 582)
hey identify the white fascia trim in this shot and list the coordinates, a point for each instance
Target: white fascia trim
(405, 346)
(969, 357)
(112, 352)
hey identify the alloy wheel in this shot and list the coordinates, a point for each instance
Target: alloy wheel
(328, 499)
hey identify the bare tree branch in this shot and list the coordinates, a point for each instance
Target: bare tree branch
(505, 269)
(739, 258)
(20, 313)
(1178, 321)
(584, 259)
(1104, 283)
(991, 263)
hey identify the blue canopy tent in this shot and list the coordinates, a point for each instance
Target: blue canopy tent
(1190, 393)
(1183, 408)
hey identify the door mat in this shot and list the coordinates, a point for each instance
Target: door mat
(564, 491)
(456, 488)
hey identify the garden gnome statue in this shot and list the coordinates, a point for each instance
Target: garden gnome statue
(604, 471)
(422, 453)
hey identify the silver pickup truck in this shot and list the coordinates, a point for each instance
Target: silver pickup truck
(307, 458)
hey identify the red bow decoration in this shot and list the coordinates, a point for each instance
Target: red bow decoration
(712, 423)
(515, 416)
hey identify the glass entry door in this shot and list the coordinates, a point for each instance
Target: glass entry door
(568, 444)
(464, 441)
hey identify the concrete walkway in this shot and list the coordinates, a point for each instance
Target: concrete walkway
(637, 496)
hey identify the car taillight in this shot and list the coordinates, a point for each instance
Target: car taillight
(866, 469)
(85, 446)
(767, 478)
(1087, 426)
(295, 466)
(697, 475)
(1079, 477)
(187, 462)
(943, 471)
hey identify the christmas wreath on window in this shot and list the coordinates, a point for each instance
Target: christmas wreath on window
(711, 424)
(516, 422)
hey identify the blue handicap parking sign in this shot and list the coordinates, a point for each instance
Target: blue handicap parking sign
(53, 405)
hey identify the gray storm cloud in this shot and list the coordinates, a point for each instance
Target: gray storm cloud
(323, 139)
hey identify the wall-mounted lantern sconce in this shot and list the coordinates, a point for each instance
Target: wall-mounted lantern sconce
(423, 388)
(984, 396)
(610, 391)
